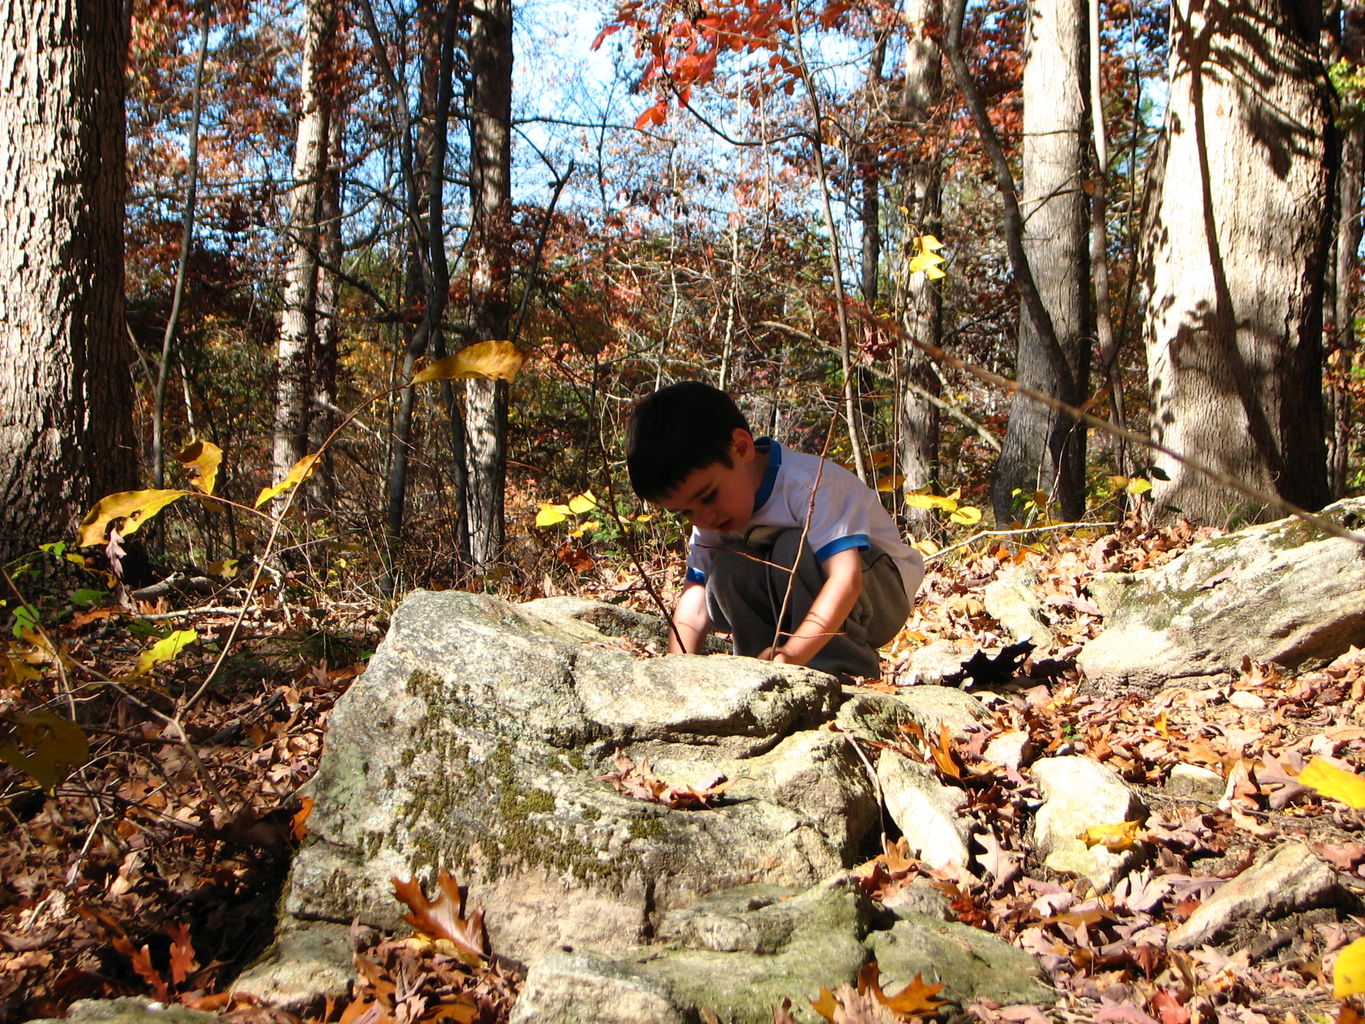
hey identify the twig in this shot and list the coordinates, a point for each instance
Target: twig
(1025, 531)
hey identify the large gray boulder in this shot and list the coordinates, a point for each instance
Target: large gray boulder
(1284, 592)
(474, 740)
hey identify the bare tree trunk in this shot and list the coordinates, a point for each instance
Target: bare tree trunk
(326, 358)
(490, 252)
(1042, 449)
(919, 305)
(1234, 325)
(66, 430)
(1343, 38)
(295, 386)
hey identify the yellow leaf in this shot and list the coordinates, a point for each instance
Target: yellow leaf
(59, 747)
(926, 547)
(890, 484)
(1348, 977)
(923, 499)
(1114, 838)
(581, 503)
(1338, 783)
(1118, 481)
(644, 517)
(133, 507)
(551, 514)
(224, 568)
(301, 471)
(926, 260)
(965, 515)
(928, 243)
(584, 527)
(164, 650)
(1138, 485)
(488, 360)
(202, 458)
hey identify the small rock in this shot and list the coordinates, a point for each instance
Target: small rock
(1290, 879)
(932, 663)
(971, 964)
(1012, 600)
(571, 988)
(1008, 749)
(1078, 794)
(1246, 701)
(924, 809)
(1196, 781)
(919, 896)
(308, 964)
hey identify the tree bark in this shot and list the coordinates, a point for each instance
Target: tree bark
(294, 386)
(490, 256)
(1044, 451)
(1236, 255)
(66, 430)
(920, 306)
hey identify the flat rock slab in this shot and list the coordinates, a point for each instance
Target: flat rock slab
(1289, 880)
(132, 1010)
(1079, 794)
(1283, 592)
(473, 743)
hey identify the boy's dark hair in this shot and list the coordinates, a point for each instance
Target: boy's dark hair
(677, 430)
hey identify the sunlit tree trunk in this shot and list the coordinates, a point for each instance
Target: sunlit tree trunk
(920, 306)
(298, 321)
(66, 436)
(1237, 250)
(326, 359)
(1043, 450)
(490, 251)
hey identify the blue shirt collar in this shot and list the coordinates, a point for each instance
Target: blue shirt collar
(765, 487)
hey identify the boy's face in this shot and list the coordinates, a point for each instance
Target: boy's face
(720, 497)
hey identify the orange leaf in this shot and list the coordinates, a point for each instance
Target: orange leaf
(183, 963)
(445, 918)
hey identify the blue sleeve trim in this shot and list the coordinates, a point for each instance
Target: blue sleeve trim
(693, 576)
(857, 540)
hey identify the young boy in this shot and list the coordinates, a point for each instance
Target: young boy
(757, 510)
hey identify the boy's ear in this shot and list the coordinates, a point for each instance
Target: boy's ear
(742, 444)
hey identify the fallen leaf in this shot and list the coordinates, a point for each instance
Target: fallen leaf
(1338, 783)
(444, 919)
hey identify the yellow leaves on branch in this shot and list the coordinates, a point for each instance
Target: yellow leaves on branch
(963, 515)
(486, 360)
(551, 514)
(926, 259)
(166, 649)
(133, 507)
(202, 459)
(297, 474)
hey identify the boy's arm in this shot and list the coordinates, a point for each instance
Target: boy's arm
(691, 621)
(828, 612)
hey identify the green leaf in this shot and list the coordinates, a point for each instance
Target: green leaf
(487, 360)
(58, 746)
(133, 507)
(85, 597)
(164, 650)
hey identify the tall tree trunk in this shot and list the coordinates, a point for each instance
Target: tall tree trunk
(1043, 450)
(298, 321)
(920, 306)
(1234, 323)
(66, 430)
(326, 358)
(1344, 38)
(490, 259)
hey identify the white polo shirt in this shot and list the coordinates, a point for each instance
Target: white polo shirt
(846, 514)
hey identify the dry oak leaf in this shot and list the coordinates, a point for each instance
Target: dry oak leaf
(638, 781)
(868, 1004)
(444, 919)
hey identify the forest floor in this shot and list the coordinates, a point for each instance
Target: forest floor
(155, 864)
